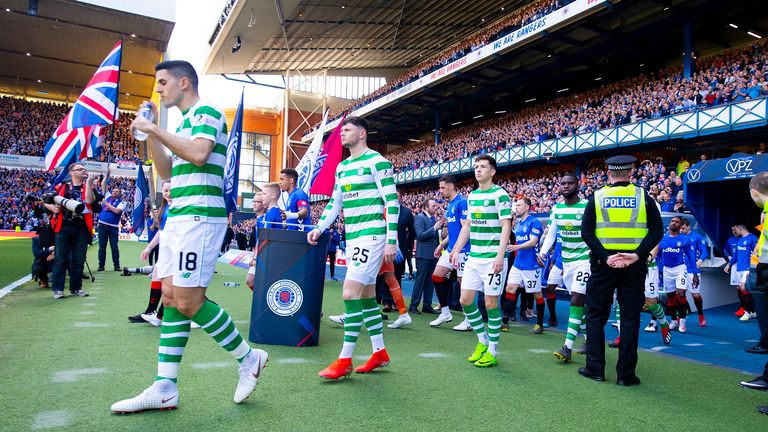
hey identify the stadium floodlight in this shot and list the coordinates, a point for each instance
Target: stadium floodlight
(500, 112)
(548, 155)
(754, 35)
(457, 123)
(530, 100)
(413, 140)
(477, 116)
(733, 25)
(563, 90)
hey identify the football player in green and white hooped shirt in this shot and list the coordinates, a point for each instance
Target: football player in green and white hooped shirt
(490, 223)
(194, 230)
(566, 220)
(364, 190)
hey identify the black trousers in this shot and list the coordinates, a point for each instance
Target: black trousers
(629, 283)
(760, 294)
(153, 255)
(108, 233)
(71, 245)
(423, 285)
(332, 262)
(40, 269)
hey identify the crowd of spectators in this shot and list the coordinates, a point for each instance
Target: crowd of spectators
(510, 23)
(124, 148)
(16, 184)
(733, 76)
(26, 126)
(542, 186)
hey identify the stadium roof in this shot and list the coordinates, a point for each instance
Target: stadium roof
(341, 34)
(624, 40)
(53, 54)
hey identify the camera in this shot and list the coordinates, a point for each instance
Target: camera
(71, 205)
(146, 270)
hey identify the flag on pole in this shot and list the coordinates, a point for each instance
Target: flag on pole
(327, 162)
(139, 196)
(80, 132)
(59, 178)
(232, 171)
(308, 168)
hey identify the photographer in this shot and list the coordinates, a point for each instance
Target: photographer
(73, 230)
(43, 250)
(109, 223)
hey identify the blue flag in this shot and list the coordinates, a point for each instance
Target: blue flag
(232, 171)
(140, 195)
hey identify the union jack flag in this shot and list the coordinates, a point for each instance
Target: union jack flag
(81, 133)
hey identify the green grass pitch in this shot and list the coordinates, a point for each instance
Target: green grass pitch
(428, 386)
(15, 259)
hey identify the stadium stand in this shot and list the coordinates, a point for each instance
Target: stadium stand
(654, 174)
(513, 21)
(26, 126)
(17, 184)
(732, 76)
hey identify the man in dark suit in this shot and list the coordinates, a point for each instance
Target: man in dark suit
(427, 229)
(405, 239)
(406, 236)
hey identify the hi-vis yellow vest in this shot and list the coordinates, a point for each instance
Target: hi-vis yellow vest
(622, 222)
(762, 245)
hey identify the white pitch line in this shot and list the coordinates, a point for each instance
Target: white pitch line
(50, 419)
(241, 321)
(659, 348)
(432, 355)
(73, 375)
(82, 324)
(212, 365)
(87, 312)
(751, 340)
(539, 351)
(724, 343)
(291, 360)
(13, 285)
(89, 304)
(694, 344)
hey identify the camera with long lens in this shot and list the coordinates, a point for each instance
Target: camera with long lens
(146, 270)
(73, 206)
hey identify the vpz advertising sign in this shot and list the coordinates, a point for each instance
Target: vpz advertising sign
(738, 166)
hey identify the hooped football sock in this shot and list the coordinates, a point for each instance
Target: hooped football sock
(215, 321)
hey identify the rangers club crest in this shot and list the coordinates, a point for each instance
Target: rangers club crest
(285, 297)
(138, 199)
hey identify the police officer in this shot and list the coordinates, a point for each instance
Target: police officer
(621, 226)
(73, 232)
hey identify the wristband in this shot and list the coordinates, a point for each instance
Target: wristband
(291, 215)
